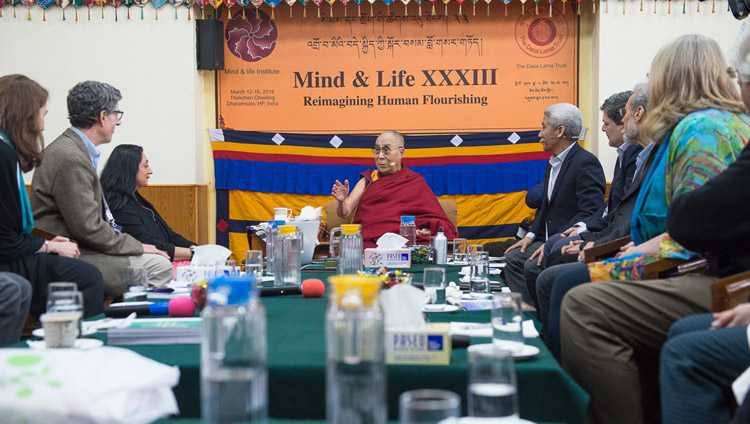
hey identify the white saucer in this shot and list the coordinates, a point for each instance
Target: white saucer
(447, 308)
(527, 352)
(87, 331)
(83, 344)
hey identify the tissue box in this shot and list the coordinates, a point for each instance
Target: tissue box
(194, 273)
(428, 345)
(389, 258)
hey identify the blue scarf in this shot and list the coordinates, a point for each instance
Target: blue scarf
(650, 213)
(26, 215)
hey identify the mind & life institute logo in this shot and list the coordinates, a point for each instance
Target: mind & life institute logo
(542, 37)
(251, 39)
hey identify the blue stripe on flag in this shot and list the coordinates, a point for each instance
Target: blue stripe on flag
(296, 178)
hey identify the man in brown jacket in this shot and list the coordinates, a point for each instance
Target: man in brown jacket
(67, 199)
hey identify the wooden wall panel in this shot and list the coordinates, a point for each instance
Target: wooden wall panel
(184, 207)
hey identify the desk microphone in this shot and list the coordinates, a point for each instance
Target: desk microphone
(312, 287)
(177, 307)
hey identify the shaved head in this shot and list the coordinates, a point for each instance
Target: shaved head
(395, 138)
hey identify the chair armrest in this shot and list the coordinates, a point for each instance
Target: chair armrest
(605, 250)
(44, 234)
(729, 292)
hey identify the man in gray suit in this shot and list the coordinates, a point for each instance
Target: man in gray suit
(67, 199)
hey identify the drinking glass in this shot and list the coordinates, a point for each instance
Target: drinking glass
(227, 268)
(136, 284)
(507, 321)
(61, 323)
(59, 286)
(474, 248)
(479, 283)
(428, 406)
(434, 288)
(492, 391)
(254, 264)
(459, 251)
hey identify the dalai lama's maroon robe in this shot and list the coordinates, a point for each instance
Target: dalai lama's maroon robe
(388, 197)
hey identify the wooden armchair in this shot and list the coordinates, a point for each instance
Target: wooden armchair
(729, 292)
(659, 269)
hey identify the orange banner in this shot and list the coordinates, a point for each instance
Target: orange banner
(415, 74)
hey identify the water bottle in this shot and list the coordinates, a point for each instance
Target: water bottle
(271, 232)
(287, 252)
(408, 230)
(355, 366)
(350, 250)
(234, 377)
(441, 248)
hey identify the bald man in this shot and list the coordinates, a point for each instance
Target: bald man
(383, 195)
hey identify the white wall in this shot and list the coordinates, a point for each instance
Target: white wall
(628, 43)
(151, 62)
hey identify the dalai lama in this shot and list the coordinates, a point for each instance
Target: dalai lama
(382, 196)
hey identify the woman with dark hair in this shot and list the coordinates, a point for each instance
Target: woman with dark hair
(127, 170)
(23, 104)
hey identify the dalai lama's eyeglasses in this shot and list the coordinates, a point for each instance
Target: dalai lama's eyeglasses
(386, 150)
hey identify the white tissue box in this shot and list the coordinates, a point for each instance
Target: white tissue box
(389, 258)
(428, 345)
(194, 273)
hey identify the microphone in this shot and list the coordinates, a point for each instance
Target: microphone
(312, 287)
(177, 307)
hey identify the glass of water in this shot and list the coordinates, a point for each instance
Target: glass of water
(227, 268)
(459, 251)
(507, 321)
(479, 283)
(59, 286)
(492, 389)
(434, 288)
(254, 264)
(428, 406)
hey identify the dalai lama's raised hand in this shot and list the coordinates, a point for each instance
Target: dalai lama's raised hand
(340, 191)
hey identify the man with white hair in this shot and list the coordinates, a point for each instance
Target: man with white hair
(574, 188)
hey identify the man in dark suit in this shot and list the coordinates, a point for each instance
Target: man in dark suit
(619, 225)
(573, 190)
(612, 126)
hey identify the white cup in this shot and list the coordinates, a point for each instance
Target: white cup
(282, 213)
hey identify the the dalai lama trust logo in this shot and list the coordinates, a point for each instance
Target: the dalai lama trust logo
(542, 36)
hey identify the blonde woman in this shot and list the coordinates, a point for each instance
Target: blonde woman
(612, 331)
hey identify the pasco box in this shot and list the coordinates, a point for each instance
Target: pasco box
(430, 345)
(389, 258)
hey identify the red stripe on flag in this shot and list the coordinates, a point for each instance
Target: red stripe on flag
(326, 160)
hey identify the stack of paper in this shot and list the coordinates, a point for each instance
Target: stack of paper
(157, 331)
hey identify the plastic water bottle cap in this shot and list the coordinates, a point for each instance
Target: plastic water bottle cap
(285, 230)
(275, 223)
(350, 229)
(231, 290)
(407, 219)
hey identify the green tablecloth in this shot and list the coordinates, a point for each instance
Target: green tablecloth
(296, 365)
